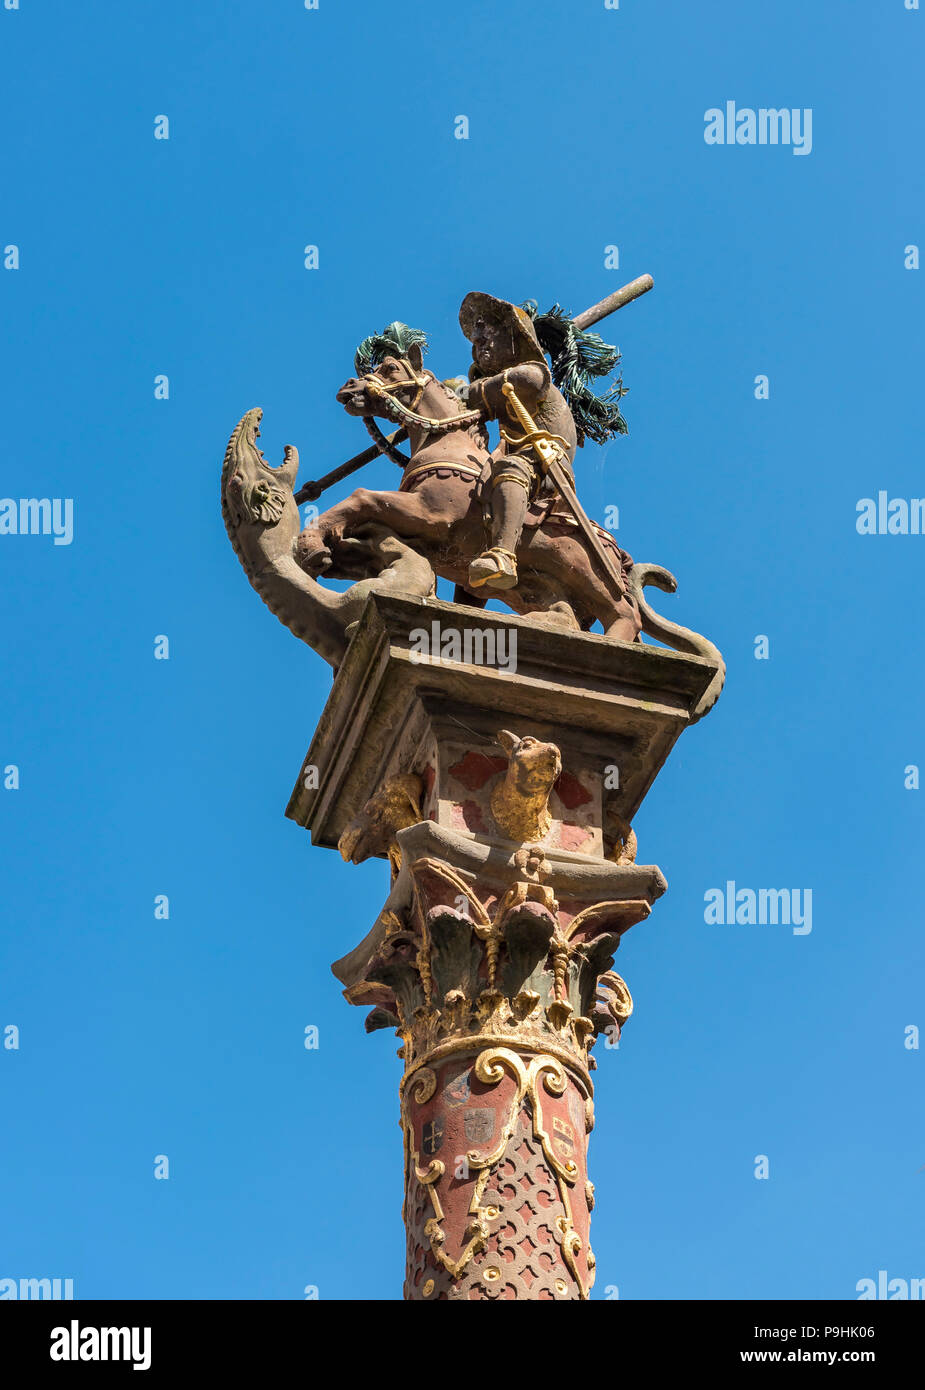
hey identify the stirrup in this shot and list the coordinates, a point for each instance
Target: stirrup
(495, 568)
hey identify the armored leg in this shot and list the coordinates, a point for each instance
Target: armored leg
(496, 568)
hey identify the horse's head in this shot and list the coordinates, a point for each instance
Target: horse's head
(402, 378)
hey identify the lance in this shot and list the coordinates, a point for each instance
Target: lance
(309, 492)
(614, 301)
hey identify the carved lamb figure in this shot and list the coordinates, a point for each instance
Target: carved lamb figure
(520, 802)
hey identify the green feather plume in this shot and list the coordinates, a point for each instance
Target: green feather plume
(577, 358)
(394, 341)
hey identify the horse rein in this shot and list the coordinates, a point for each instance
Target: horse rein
(402, 414)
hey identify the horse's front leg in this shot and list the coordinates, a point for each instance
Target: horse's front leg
(320, 538)
(408, 514)
(404, 513)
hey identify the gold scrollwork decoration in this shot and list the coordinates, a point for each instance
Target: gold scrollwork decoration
(432, 1173)
(476, 1230)
(555, 1081)
(489, 1068)
(425, 1084)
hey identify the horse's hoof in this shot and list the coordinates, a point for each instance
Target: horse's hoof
(316, 561)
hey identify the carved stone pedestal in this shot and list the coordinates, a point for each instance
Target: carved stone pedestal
(503, 797)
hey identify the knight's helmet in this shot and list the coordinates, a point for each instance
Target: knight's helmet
(509, 319)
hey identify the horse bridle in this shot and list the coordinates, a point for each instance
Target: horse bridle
(386, 388)
(401, 414)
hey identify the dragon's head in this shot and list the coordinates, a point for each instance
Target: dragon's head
(252, 490)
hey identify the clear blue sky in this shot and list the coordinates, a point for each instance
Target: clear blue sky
(140, 777)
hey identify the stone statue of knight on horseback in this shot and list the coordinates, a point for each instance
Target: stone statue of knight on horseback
(497, 520)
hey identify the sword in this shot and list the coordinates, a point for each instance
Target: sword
(550, 452)
(310, 491)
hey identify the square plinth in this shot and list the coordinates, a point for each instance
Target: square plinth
(614, 708)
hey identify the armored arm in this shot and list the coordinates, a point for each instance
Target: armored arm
(529, 379)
